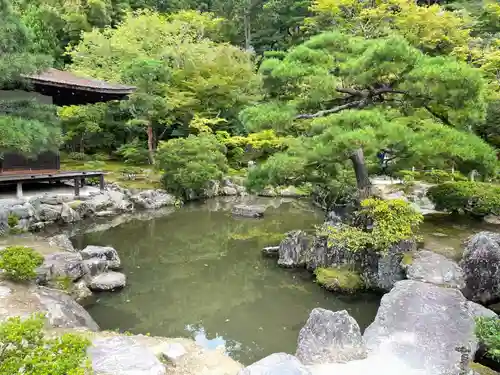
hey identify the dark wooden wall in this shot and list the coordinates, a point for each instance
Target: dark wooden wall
(44, 161)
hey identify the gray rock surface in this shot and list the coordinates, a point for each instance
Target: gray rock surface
(108, 281)
(107, 253)
(62, 311)
(62, 242)
(293, 249)
(82, 294)
(229, 191)
(153, 199)
(476, 310)
(68, 215)
(248, 211)
(64, 264)
(94, 267)
(481, 265)
(276, 364)
(47, 212)
(433, 268)
(268, 192)
(329, 337)
(22, 211)
(422, 324)
(123, 356)
(173, 352)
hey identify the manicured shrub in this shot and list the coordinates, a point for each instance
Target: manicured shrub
(133, 152)
(488, 334)
(188, 164)
(78, 156)
(475, 198)
(19, 262)
(378, 225)
(24, 349)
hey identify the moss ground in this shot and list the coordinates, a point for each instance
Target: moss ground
(339, 279)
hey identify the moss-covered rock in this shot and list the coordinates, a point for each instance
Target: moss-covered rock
(407, 259)
(481, 370)
(339, 279)
(75, 204)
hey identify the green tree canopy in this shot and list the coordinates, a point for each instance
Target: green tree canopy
(25, 126)
(341, 93)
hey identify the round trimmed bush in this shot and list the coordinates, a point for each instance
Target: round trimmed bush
(19, 262)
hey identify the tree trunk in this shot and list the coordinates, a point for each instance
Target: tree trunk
(151, 151)
(247, 28)
(362, 180)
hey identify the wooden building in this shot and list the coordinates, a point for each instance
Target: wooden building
(59, 88)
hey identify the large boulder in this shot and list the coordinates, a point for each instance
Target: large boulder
(48, 212)
(248, 211)
(62, 311)
(379, 271)
(292, 192)
(422, 325)
(330, 337)
(107, 253)
(293, 249)
(481, 265)
(64, 264)
(108, 281)
(153, 199)
(123, 356)
(22, 211)
(433, 268)
(276, 364)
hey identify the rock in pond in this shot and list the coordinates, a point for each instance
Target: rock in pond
(108, 281)
(433, 268)
(248, 211)
(82, 294)
(153, 199)
(271, 251)
(276, 364)
(64, 264)
(106, 253)
(293, 248)
(422, 325)
(123, 356)
(329, 337)
(481, 265)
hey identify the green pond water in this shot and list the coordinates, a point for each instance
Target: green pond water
(198, 272)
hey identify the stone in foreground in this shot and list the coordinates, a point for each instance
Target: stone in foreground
(436, 269)
(481, 265)
(123, 356)
(64, 264)
(276, 364)
(108, 281)
(330, 337)
(62, 311)
(248, 211)
(422, 324)
(103, 252)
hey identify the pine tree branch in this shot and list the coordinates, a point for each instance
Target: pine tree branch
(326, 112)
(443, 118)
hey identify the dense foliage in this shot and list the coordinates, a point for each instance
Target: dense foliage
(19, 262)
(312, 90)
(190, 163)
(378, 225)
(474, 198)
(24, 349)
(25, 125)
(488, 334)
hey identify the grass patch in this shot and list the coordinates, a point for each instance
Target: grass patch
(339, 279)
(145, 176)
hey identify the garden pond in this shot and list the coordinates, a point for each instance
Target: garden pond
(198, 272)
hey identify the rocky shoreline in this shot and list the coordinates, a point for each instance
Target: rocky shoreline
(424, 325)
